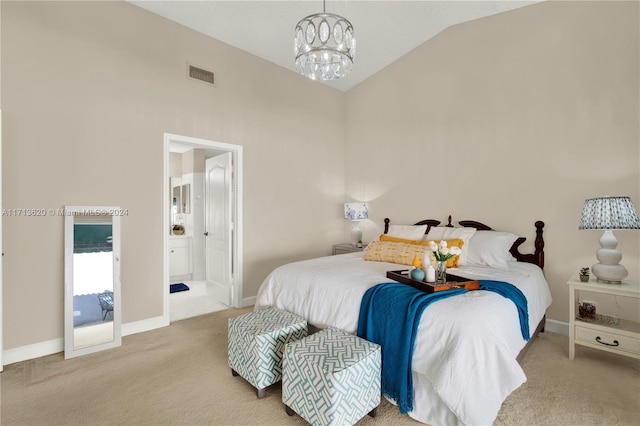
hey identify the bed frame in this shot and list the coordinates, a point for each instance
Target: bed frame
(537, 257)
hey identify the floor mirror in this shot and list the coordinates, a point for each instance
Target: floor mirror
(92, 279)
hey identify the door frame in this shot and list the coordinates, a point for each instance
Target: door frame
(2, 257)
(237, 216)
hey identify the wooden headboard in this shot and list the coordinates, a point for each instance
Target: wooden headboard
(537, 257)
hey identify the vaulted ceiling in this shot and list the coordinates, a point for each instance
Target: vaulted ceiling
(385, 30)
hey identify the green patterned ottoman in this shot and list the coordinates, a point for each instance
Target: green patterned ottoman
(256, 344)
(331, 378)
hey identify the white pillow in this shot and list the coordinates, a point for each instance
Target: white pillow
(408, 232)
(447, 233)
(491, 248)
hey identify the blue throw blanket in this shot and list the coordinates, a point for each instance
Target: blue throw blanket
(390, 314)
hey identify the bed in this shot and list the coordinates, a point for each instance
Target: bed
(465, 360)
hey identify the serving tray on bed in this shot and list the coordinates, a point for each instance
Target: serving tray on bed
(453, 281)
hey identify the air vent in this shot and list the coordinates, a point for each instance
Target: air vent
(201, 74)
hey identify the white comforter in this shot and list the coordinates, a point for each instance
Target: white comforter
(464, 362)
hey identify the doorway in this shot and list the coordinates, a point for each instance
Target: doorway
(199, 229)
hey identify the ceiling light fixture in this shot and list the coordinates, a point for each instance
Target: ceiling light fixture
(324, 46)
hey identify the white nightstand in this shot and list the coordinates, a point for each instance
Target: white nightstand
(623, 339)
(343, 248)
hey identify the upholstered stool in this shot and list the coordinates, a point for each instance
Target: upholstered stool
(331, 378)
(256, 344)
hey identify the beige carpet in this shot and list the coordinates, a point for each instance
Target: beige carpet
(178, 375)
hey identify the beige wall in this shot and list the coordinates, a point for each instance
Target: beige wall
(507, 120)
(89, 89)
(193, 161)
(175, 164)
(526, 114)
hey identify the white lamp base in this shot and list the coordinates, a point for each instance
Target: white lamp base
(356, 234)
(609, 270)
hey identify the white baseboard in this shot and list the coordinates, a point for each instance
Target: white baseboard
(248, 301)
(36, 350)
(144, 325)
(556, 326)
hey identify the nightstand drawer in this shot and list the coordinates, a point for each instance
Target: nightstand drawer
(607, 339)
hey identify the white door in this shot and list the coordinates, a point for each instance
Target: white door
(219, 227)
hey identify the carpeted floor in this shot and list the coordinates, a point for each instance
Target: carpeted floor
(178, 375)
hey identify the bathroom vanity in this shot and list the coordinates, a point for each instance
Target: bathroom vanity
(180, 257)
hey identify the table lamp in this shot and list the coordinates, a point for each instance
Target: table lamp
(356, 212)
(609, 213)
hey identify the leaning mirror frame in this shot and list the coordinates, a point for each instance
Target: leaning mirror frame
(106, 305)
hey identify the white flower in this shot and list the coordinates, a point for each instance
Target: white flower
(441, 252)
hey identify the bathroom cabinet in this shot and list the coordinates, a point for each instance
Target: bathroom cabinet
(180, 264)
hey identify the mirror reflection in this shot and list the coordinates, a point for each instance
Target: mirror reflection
(92, 282)
(92, 312)
(184, 190)
(180, 197)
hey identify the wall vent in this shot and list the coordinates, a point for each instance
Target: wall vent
(201, 74)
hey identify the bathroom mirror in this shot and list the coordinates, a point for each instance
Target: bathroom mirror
(186, 196)
(180, 196)
(92, 279)
(176, 196)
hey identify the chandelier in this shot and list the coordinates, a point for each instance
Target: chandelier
(324, 46)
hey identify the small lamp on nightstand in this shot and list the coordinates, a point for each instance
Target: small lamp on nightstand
(356, 212)
(608, 213)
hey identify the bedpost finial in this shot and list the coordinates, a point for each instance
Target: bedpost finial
(539, 244)
(449, 225)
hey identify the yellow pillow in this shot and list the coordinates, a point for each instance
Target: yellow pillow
(397, 250)
(385, 237)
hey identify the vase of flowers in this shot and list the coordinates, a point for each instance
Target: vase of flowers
(442, 253)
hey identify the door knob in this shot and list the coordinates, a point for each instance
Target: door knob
(206, 234)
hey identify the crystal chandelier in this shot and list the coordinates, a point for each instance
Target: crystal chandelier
(324, 46)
